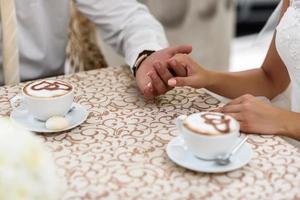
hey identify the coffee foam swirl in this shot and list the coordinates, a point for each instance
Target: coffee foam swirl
(210, 123)
(47, 88)
(219, 122)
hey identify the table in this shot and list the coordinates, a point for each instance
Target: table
(119, 152)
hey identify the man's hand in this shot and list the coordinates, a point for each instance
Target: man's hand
(153, 74)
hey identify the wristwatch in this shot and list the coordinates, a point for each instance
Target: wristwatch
(142, 56)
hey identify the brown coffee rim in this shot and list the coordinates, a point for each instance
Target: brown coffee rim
(196, 131)
(55, 96)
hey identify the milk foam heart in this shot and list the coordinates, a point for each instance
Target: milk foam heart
(211, 124)
(208, 134)
(47, 88)
(46, 98)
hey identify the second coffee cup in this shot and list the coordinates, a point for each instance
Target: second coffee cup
(208, 134)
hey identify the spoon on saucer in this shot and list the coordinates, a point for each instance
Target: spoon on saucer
(225, 159)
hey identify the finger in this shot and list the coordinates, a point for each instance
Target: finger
(237, 116)
(163, 72)
(245, 127)
(148, 91)
(178, 68)
(185, 49)
(235, 108)
(157, 84)
(216, 110)
(239, 100)
(236, 101)
(179, 81)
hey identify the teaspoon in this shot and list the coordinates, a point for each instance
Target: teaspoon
(226, 158)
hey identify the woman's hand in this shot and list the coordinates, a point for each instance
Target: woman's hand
(256, 116)
(197, 77)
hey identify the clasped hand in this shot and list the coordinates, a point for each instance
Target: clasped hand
(154, 73)
(253, 114)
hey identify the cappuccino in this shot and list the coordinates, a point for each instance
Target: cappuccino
(47, 88)
(45, 98)
(208, 134)
(210, 124)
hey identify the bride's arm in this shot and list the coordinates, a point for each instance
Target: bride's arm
(269, 80)
(291, 124)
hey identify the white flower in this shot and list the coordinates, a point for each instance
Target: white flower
(27, 170)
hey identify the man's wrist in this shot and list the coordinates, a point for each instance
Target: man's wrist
(141, 58)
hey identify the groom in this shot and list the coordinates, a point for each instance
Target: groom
(126, 25)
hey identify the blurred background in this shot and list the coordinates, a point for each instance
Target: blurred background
(222, 32)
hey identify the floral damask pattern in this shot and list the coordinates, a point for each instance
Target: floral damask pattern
(119, 152)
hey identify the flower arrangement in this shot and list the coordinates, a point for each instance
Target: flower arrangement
(27, 170)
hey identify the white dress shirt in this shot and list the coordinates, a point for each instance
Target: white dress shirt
(43, 32)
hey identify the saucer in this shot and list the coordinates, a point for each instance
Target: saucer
(76, 116)
(180, 155)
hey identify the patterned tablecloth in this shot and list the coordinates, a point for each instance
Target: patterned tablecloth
(120, 151)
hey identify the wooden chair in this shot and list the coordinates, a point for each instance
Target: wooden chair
(83, 51)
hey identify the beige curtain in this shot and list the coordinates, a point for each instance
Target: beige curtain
(206, 24)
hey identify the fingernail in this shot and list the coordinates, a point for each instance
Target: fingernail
(149, 88)
(149, 85)
(172, 82)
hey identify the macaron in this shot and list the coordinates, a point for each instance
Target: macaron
(57, 123)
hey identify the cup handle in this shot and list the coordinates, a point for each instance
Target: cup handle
(17, 103)
(179, 121)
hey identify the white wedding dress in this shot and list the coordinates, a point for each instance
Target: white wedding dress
(288, 47)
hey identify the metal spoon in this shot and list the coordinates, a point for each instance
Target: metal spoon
(225, 159)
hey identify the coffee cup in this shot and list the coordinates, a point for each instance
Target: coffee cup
(208, 134)
(45, 98)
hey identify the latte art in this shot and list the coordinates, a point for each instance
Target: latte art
(219, 122)
(47, 88)
(210, 123)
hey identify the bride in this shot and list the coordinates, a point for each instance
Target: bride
(280, 69)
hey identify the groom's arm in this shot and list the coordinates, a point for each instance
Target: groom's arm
(132, 31)
(126, 25)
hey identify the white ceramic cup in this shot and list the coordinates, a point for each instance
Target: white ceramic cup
(207, 146)
(46, 107)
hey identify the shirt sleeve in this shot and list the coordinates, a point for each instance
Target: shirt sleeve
(126, 25)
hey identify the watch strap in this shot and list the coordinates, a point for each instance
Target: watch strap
(142, 56)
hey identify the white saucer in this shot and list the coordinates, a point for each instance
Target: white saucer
(76, 116)
(181, 156)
